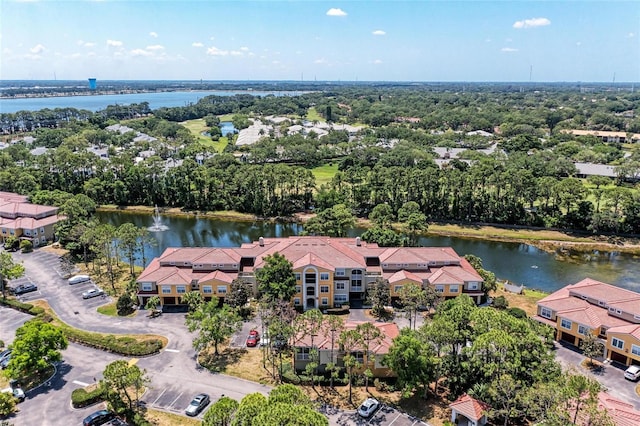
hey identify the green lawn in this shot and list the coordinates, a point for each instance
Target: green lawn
(312, 115)
(197, 126)
(324, 173)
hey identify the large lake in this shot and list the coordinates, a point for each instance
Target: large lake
(98, 102)
(519, 263)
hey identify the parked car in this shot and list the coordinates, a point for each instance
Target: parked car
(5, 362)
(368, 407)
(632, 373)
(98, 418)
(25, 288)
(253, 339)
(197, 404)
(4, 354)
(77, 279)
(18, 393)
(94, 292)
(116, 422)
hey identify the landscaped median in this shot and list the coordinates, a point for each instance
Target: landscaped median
(123, 344)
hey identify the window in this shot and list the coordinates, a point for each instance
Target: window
(636, 317)
(181, 289)
(296, 301)
(43, 239)
(234, 265)
(298, 289)
(359, 356)
(27, 232)
(340, 273)
(324, 276)
(339, 298)
(222, 289)
(298, 276)
(635, 349)
(601, 303)
(565, 323)
(545, 312)
(311, 291)
(583, 329)
(324, 289)
(166, 289)
(42, 230)
(207, 289)
(35, 232)
(303, 354)
(617, 343)
(453, 288)
(324, 301)
(473, 286)
(397, 288)
(147, 287)
(339, 286)
(310, 278)
(439, 289)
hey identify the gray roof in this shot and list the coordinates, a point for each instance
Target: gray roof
(592, 169)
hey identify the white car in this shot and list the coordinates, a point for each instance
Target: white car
(94, 292)
(18, 393)
(368, 407)
(632, 373)
(77, 279)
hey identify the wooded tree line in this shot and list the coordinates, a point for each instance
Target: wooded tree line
(528, 180)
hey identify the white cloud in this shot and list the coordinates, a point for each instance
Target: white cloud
(379, 33)
(38, 48)
(508, 49)
(89, 44)
(153, 34)
(531, 23)
(155, 47)
(244, 48)
(236, 53)
(114, 43)
(140, 52)
(336, 12)
(488, 40)
(578, 43)
(630, 35)
(6, 51)
(197, 44)
(74, 56)
(377, 61)
(214, 51)
(320, 61)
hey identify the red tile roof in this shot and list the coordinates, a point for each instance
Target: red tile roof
(404, 275)
(631, 329)
(469, 407)
(323, 340)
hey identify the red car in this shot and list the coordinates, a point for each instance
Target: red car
(253, 339)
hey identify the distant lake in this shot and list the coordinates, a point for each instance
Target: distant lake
(98, 102)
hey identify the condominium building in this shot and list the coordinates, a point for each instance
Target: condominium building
(26, 221)
(329, 272)
(606, 311)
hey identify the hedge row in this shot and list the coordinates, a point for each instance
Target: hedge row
(123, 345)
(81, 398)
(27, 308)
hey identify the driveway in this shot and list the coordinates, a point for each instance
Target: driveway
(611, 376)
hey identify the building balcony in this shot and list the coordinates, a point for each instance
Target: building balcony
(143, 292)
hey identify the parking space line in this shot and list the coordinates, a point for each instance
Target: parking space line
(161, 393)
(394, 420)
(79, 383)
(175, 400)
(172, 350)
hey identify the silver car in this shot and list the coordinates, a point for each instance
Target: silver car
(94, 292)
(197, 404)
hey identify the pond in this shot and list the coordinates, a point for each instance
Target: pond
(516, 262)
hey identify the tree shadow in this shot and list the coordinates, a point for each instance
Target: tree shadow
(219, 363)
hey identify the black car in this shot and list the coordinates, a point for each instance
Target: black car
(25, 288)
(98, 418)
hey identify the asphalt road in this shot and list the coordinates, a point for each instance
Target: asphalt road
(175, 375)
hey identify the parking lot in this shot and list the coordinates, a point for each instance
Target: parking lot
(385, 416)
(173, 399)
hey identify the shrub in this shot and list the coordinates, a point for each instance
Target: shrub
(26, 246)
(7, 404)
(27, 308)
(517, 312)
(81, 398)
(124, 304)
(500, 302)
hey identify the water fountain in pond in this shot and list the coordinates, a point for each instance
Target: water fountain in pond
(157, 222)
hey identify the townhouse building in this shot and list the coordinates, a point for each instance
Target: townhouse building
(329, 272)
(611, 313)
(330, 351)
(26, 221)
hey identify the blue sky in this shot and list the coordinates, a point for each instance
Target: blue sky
(347, 40)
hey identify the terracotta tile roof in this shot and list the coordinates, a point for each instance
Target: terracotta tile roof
(323, 339)
(325, 248)
(310, 259)
(631, 329)
(178, 276)
(400, 255)
(13, 197)
(218, 256)
(585, 316)
(622, 413)
(404, 275)
(630, 306)
(601, 291)
(217, 275)
(469, 407)
(26, 209)
(185, 254)
(563, 293)
(30, 223)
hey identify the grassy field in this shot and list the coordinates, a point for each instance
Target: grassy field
(162, 418)
(525, 301)
(324, 173)
(197, 126)
(312, 115)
